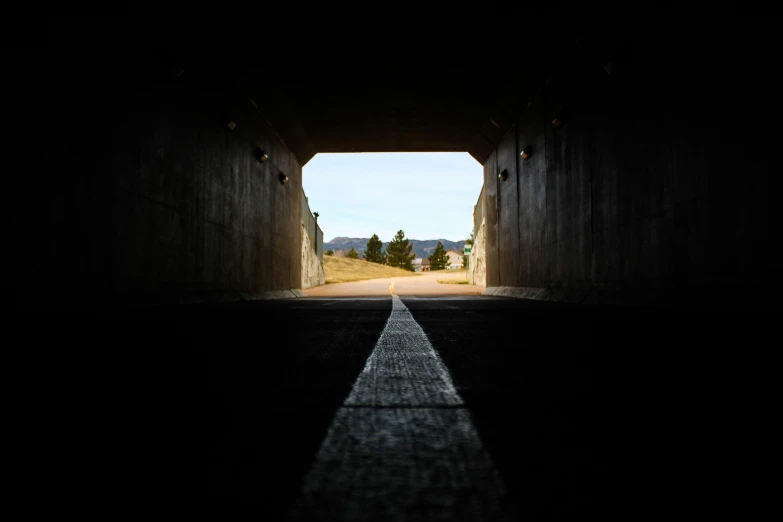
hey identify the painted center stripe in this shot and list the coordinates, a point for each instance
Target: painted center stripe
(403, 369)
(402, 447)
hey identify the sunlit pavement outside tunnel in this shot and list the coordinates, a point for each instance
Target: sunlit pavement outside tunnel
(425, 284)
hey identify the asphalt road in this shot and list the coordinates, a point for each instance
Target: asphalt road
(409, 408)
(425, 284)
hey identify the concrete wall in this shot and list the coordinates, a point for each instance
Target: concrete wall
(134, 189)
(656, 182)
(477, 266)
(313, 273)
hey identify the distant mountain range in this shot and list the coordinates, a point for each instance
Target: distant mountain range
(422, 248)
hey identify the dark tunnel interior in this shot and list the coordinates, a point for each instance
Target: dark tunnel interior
(152, 248)
(656, 183)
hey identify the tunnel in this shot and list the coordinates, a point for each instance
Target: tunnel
(626, 212)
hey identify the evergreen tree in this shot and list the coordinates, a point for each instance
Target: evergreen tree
(373, 252)
(439, 260)
(329, 252)
(398, 253)
(353, 254)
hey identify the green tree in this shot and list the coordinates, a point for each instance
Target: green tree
(438, 260)
(373, 253)
(353, 254)
(398, 253)
(329, 252)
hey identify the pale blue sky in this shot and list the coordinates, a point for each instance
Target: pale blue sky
(429, 195)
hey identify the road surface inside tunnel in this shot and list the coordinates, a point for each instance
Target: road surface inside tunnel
(477, 408)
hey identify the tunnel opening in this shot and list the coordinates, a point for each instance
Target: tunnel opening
(389, 218)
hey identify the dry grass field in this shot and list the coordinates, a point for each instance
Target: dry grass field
(344, 270)
(453, 277)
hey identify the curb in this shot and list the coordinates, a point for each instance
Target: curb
(618, 297)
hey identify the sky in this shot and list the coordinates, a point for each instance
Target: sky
(428, 195)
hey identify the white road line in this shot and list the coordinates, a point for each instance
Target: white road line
(402, 447)
(403, 369)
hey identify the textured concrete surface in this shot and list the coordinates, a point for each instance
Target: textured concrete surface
(158, 200)
(312, 267)
(477, 269)
(605, 203)
(628, 196)
(273, 294)
(593, 296)
(491, 186)
(230, 297)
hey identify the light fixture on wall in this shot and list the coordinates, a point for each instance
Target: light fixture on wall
(503, 176)
(526, 152)
(231, 125)
(283, 178)
(261, 155)
(560, 118)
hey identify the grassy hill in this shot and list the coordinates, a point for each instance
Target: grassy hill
(344, 270)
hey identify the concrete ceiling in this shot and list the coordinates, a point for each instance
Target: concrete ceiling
(391, 82)
(331, 84)
(393, 98)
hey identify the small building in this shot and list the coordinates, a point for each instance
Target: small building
(455, 260)
(421, 265)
